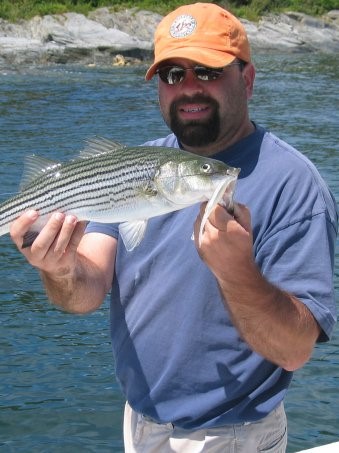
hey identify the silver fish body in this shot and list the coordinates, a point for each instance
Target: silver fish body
(112, 183)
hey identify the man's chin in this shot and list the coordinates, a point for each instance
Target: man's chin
(197, 136)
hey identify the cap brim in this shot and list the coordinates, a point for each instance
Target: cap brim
(207, 57)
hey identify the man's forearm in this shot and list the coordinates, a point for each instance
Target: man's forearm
(82, 291)
(274, 323)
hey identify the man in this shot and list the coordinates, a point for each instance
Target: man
(206, 337)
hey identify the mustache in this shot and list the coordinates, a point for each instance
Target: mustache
(196, 99)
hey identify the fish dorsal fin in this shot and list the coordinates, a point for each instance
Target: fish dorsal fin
(96, 146)
(35, 166)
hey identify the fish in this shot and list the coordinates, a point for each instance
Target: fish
(112, 183)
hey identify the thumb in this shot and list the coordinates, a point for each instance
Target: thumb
(242, 215)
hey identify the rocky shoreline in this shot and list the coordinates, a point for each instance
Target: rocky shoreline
(125, 37)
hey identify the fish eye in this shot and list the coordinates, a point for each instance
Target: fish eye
(206, 168)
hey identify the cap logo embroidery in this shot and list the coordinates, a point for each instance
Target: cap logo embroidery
(183, 26)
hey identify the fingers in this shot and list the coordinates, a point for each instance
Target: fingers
(56, 235)
(221, 219)
(227, 241)
(61, 234)
(49, 236)
(242, 215)
(70, 236)
(222, 224)
(22, 225)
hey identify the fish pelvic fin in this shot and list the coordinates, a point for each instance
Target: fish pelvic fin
(132, 233)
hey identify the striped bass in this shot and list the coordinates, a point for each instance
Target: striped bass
(112, 183)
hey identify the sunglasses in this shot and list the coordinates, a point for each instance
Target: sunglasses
(174, 75)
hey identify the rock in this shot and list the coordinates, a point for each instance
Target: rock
(139, 23)
(67, 38)
(99, 38)
(295, 32)
(272, 34)
(301, 32)
(333, 17)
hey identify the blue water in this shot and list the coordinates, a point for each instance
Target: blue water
(57, 386)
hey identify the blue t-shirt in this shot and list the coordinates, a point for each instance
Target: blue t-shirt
(178, 357)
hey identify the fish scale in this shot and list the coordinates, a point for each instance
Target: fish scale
(110, 182)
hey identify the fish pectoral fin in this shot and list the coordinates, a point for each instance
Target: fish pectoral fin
(132, 233)
(149, 190)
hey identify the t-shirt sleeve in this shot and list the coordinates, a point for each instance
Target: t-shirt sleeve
(291, 259)
(110, 229)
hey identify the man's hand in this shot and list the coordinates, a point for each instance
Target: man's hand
(54, 249)
(76, 269)
(227, 241)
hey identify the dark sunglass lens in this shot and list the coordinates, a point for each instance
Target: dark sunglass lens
(163, 73)
(171, 75)
(175, 75)
(207, 74)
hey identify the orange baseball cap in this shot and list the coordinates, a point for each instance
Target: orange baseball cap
(202, 32)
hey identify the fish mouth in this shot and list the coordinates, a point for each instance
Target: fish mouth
(233, 171)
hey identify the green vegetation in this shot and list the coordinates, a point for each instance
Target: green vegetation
(252, 9)
(13, 10)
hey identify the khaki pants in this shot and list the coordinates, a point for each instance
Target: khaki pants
(269, 435)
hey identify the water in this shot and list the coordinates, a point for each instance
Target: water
(57, 387)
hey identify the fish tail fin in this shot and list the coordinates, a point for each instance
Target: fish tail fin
(29, 238)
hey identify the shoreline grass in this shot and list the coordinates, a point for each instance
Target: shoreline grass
(15, 10)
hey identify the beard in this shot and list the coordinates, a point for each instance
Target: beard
(195, 132)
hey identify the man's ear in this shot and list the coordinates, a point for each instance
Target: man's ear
(248, 73)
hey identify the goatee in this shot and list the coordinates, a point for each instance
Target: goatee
(195, 132)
